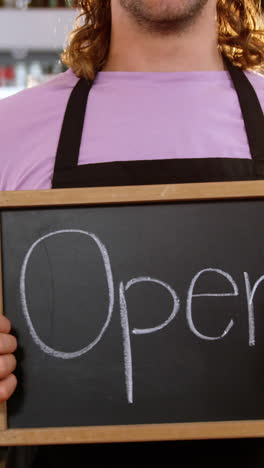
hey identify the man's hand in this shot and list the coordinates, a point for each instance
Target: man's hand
(8, 345)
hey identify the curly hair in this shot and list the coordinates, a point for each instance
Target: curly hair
(240, 35)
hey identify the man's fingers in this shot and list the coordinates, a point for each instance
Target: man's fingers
(7, 365)
(5, 324)
(8, 343)
(7, 387)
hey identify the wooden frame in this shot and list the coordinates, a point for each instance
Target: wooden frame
(127, 195)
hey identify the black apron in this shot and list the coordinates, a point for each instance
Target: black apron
(67, 174)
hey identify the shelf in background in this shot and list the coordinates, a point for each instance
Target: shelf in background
(11, 56)
(36, 28)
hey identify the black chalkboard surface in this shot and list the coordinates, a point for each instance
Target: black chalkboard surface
(136, 314)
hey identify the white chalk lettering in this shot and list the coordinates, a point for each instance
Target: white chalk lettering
(190, 295)
(128, 331)
(45, 348)
(250, 297)
(137, 331)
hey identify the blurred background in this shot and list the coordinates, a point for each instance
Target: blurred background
(32, 36)
(30, 49)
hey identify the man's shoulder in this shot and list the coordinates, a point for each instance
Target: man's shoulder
(29, 126)
(34, 111)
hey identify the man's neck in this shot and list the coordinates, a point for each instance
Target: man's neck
(213, 62)
(133, 49)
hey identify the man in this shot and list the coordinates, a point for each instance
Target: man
(162, 108)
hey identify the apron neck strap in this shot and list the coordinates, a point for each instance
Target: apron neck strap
(71, 131)
(251, 109)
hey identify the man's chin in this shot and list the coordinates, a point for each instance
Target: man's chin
(164, 15)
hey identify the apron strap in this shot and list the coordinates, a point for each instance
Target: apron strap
(251, 110)
(72, 127)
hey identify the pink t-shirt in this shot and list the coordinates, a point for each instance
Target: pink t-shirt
(129, 116)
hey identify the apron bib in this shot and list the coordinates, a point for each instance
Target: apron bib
(67, 173)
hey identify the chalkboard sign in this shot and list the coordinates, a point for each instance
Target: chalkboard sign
(138, 316)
